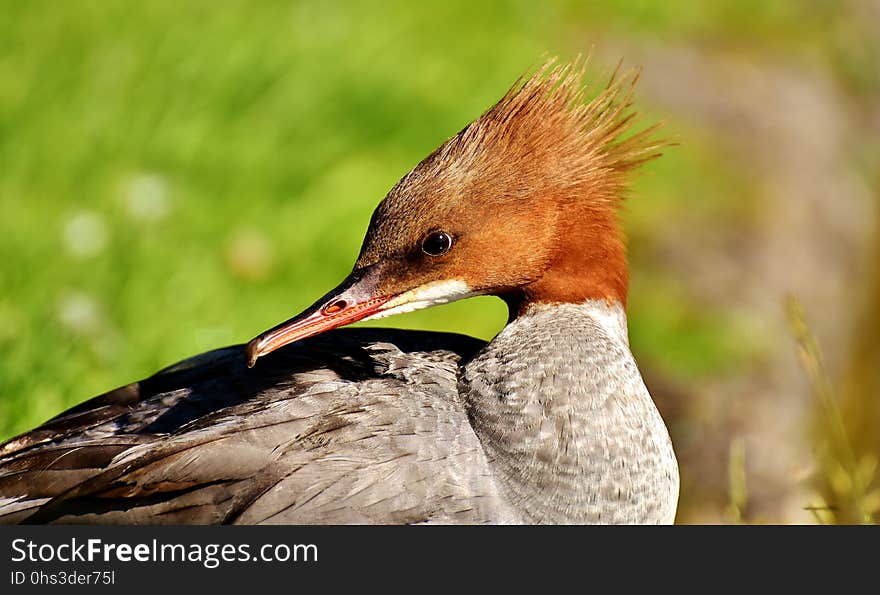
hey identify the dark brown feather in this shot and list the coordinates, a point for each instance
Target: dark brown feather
(206, 440)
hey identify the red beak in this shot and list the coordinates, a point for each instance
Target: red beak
(353, 300)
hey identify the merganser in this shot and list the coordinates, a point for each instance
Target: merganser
(549, 422)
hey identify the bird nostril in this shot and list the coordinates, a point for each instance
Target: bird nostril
(334, 307)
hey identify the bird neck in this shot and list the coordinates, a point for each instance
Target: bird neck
(565, 420)
(588, 263)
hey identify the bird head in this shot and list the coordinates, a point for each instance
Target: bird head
(522, 204)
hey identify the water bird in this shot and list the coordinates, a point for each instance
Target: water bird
(549, 422)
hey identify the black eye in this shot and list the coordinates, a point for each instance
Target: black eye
(437, 243)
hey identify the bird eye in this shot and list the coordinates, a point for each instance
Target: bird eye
(437, 243)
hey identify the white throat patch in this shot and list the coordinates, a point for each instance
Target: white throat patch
(424, 296)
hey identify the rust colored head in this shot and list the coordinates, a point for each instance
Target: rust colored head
(522, 203)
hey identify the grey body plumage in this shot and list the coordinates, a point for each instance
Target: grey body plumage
(567, 424)
(549, 422)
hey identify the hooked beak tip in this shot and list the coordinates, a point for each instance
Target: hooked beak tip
(252, 352)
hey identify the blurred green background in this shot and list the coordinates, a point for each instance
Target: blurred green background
(176, 177)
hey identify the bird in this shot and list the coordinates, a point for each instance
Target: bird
(549, 422)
